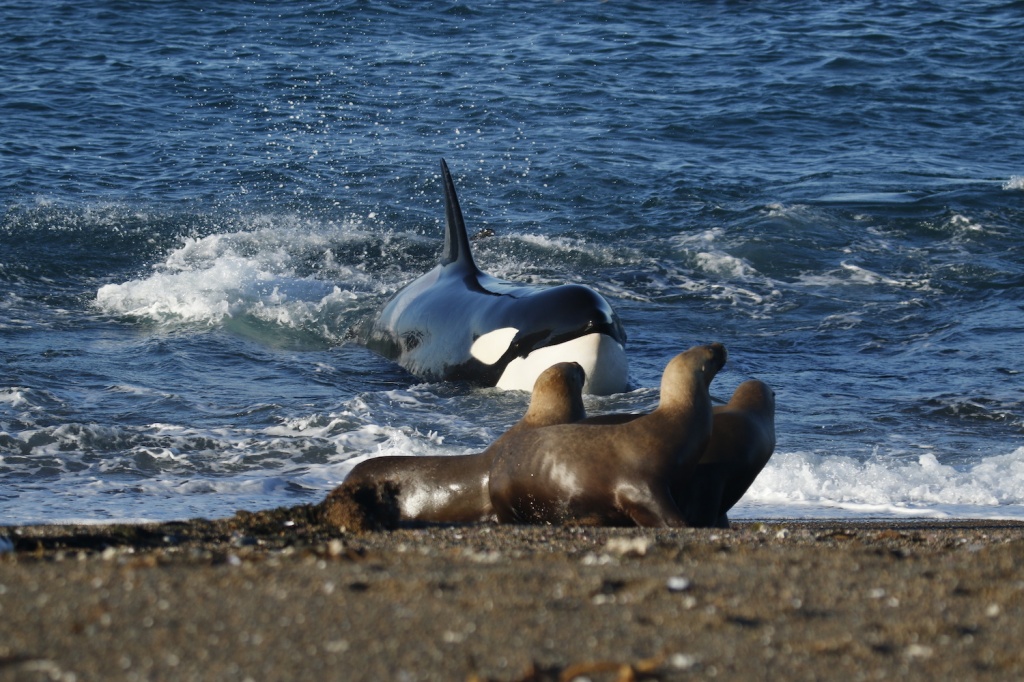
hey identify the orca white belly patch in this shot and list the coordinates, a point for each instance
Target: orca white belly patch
(601, 357)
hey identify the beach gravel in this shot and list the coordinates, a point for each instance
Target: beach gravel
(281, 596)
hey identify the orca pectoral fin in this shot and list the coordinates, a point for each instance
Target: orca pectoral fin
(456, 240)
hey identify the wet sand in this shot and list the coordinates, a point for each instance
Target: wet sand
(281, 596)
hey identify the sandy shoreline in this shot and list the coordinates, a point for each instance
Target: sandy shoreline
(277, 596)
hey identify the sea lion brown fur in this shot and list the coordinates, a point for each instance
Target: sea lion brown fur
(453, 489)
(610, 474)
(359, 508)
(742, 442)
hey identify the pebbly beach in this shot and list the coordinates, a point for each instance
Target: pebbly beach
(282, 595)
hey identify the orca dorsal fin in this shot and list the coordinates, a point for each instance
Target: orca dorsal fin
(456, 241)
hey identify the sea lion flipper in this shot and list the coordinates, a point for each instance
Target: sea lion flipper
(456, 239)
(742, 442)
(652, 509)
(700, 497)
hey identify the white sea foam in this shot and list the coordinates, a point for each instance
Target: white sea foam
(861, 275)
(719, 275)
(801, 484)
(166, 471)
(709, 257)
(551, 261)
(852, 274)
(13, 397)
(557, 244)
(1015, 182)
(965, 229)
(252, 470)
(264, 273)
(723, 264)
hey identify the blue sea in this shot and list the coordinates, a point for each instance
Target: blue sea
(199, 203)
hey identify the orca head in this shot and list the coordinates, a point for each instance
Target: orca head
(542, 327)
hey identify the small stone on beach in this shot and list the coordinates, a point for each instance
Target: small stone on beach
(678, 583)
(636, 546)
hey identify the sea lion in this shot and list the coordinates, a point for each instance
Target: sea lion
(610, 474)
(742, 441)
(457, 323)
(453, 489)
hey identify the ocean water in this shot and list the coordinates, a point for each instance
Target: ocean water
(200, 202)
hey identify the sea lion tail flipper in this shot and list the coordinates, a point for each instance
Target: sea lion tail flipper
(456, 240)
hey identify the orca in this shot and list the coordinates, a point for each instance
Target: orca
(457, 323)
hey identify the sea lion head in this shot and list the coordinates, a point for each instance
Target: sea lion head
(557, 395)
(715, 357)
(754, 396)
(698, 364)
